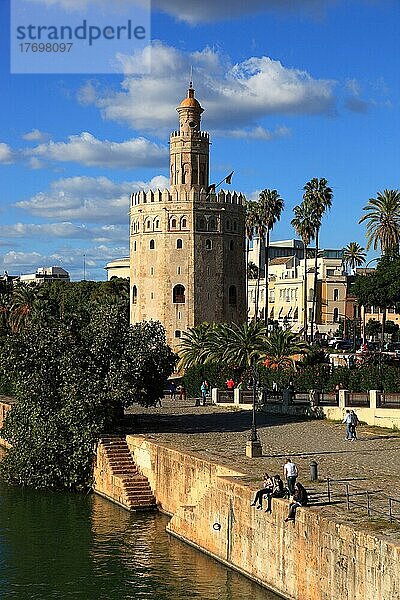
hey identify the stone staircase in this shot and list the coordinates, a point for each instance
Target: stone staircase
(117, 476)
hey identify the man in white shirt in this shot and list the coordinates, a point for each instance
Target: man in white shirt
(348, 421)
(290, 472)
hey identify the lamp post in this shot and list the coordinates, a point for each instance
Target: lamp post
(253, 445)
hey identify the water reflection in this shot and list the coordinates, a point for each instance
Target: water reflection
(65, 546)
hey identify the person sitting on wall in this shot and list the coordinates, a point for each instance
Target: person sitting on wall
(278, 491)
(300, 498)
(265, 490)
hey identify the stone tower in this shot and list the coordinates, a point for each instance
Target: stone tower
(187, 255)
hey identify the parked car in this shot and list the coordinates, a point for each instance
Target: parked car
(344, 345)
(333, 341)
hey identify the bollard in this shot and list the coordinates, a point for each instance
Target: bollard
(313, 470)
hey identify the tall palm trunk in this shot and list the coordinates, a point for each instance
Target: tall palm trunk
(260, 249)
(247, 277)
(314, 300)
(305, 293)
(266, 314)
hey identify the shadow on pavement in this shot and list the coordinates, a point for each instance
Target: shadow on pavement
(201, 422)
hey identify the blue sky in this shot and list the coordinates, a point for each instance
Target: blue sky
(289, 94)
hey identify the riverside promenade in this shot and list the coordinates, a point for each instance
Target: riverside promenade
(220, 434)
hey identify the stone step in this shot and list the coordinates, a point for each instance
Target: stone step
(140, 497)
(124, 462)
(117, 471)
(144, 502)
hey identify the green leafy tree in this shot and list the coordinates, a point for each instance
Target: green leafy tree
(252, 270)
(303, 224)
(373, 328)
(353, 256)
(318, 196)
(382, 216)
(71, 385)
(270, 208)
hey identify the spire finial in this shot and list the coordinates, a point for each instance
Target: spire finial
(191, 78)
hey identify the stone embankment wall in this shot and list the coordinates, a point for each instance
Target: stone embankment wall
(313, 559)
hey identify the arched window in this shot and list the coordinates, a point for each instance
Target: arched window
(152, 245)
(177, 333)
(335, 294)
(178, 294)
(232, 295)
(148, 224)
(208, 245)
(231, 245)
(212, 224)
(157, 223)
(228, 225)
(201, 224)
(173, 223)
(184, 223)
(134, 295)
(179, 244)
(151, 270)
(335, 315)
(235, 225)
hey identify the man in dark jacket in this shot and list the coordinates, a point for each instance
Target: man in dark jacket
(300, 498)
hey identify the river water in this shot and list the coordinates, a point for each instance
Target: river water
(66, 546)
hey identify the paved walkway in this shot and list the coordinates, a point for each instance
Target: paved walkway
(220, 434)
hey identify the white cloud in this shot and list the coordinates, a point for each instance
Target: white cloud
(6, 154)
(234, 96)
(90, 199)
(36, 136)
(257, 133)
(67, 230)
(20, 259)
(85, 149)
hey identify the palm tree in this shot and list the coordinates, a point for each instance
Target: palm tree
(271, 207)
(236, 345)
(303, 224)
(193, 344)
(319, 196)
(353, 256)
(383, 222)
(22, 307)
(251, 218)
(281, 347)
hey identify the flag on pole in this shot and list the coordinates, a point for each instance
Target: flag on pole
(228, 179)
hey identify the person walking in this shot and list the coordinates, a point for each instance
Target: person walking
(347, 420)
(205, 388)
(300, 498)
(182, 392)
(230, 385)
(172, 390)
(290, 473)
(353, 425)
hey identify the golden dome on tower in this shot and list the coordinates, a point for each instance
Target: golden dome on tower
(190, 101)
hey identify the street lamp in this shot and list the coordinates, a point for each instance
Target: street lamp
(253, 445)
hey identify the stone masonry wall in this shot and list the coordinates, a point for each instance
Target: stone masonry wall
(313, 559)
